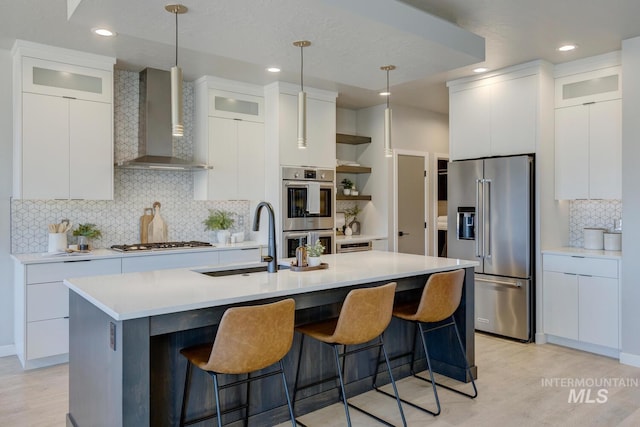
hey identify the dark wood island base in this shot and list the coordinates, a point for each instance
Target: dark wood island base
(130, 373)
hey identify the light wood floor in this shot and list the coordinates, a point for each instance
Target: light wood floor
(509, 383)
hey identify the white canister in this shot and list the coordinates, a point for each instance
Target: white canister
(594, 238)
(612, 241)
(57, 242)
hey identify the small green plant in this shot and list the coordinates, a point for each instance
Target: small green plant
(347, 183)
(316, 249)
(351, 214)
(88, 230)
(218, 220)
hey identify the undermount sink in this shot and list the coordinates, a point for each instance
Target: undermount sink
(235, 271)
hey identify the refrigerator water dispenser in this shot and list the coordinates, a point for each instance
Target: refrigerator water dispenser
(466, 223)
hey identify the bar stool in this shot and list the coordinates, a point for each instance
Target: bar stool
(364, 316)
(440, 299)
(248, 339)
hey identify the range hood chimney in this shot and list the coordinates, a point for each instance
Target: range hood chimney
(155, 142)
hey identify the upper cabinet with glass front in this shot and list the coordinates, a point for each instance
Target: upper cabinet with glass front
(63, 123)
(66, 80)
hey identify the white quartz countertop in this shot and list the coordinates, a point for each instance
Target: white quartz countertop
(45, 257)
(571, 251)
(136, 295)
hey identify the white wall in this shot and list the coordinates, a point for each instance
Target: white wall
(630, 290)
(6, 264)
(413, 129)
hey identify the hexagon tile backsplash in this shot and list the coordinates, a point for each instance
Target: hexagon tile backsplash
(591, 213)
(134, 190)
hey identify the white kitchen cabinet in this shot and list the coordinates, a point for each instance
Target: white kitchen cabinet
(469, 123)
(42, 307)
(561, 304)
(588, 151)
(581, 301)
(494, 116)
(229, 135)
(67, 148)
(321, 132)
(166, 261)
(236, 152)
(63, 124)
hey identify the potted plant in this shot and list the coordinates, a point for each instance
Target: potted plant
(351, 220)
(313, 253)
(221, 221)
(347, 185)
(85, 233)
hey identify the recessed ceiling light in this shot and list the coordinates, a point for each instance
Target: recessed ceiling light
(103, 32)
(273, 69)
(480, 70)
(567, 47)
(385, 93)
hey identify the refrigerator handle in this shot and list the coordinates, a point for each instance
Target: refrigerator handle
(477, 235)
(486, 203)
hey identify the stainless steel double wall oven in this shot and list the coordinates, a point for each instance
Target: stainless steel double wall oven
(307, 207)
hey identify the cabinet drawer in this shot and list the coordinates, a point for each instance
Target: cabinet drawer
(47, 338)
(581, 265)
(166, 261)
(57, 271)
(47, 301)
(241, 255)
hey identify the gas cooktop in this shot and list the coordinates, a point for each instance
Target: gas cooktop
(159, 246)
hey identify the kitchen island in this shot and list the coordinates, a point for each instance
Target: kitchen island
(126, 332)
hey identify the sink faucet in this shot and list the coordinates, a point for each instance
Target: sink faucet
(272, 258)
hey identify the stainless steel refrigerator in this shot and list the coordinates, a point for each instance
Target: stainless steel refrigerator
(490, 217)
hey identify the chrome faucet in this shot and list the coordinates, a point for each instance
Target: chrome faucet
(272, 258)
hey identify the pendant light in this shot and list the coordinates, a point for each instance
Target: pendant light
(177, 127)
(387, 115)
(302, 99)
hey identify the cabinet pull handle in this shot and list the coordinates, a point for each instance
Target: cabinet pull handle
(78, 260)
(69, 97)
(584, 275)
(571, 274)
(576, 256)
(589, 103)
(65, 317)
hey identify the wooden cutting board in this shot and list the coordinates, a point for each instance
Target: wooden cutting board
(157, 229)
(145, 220)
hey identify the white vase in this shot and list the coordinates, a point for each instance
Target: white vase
(222, 236)
(346, 191)
(313, 261)
(348, 231)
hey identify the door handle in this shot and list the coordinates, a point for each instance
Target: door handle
(486, 194)
(476, 234)
(402, 233)
(500, 282)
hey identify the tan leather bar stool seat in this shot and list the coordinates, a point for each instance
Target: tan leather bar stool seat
(364, 316)
(248, 339)
(440, 299)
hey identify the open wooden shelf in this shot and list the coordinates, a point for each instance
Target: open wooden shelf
(342, 138)
(352, 169)
(358, 197)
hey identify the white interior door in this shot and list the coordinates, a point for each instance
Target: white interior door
(411, 212)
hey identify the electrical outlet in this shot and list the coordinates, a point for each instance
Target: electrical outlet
(240, 220)
(112, 336)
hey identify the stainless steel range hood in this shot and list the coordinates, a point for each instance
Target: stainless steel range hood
(155, 142)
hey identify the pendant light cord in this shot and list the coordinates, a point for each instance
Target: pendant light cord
(176, 13)
(301, 68)
(388, 93)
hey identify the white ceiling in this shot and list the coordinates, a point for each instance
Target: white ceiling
(350, 39)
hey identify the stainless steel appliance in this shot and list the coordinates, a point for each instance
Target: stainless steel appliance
(307, 199)
(490, 217)
(159, 246)
(292, 239)
(344, 246)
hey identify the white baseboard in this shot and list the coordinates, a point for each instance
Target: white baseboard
(541, 338)
(630, 359)
(7, 350)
